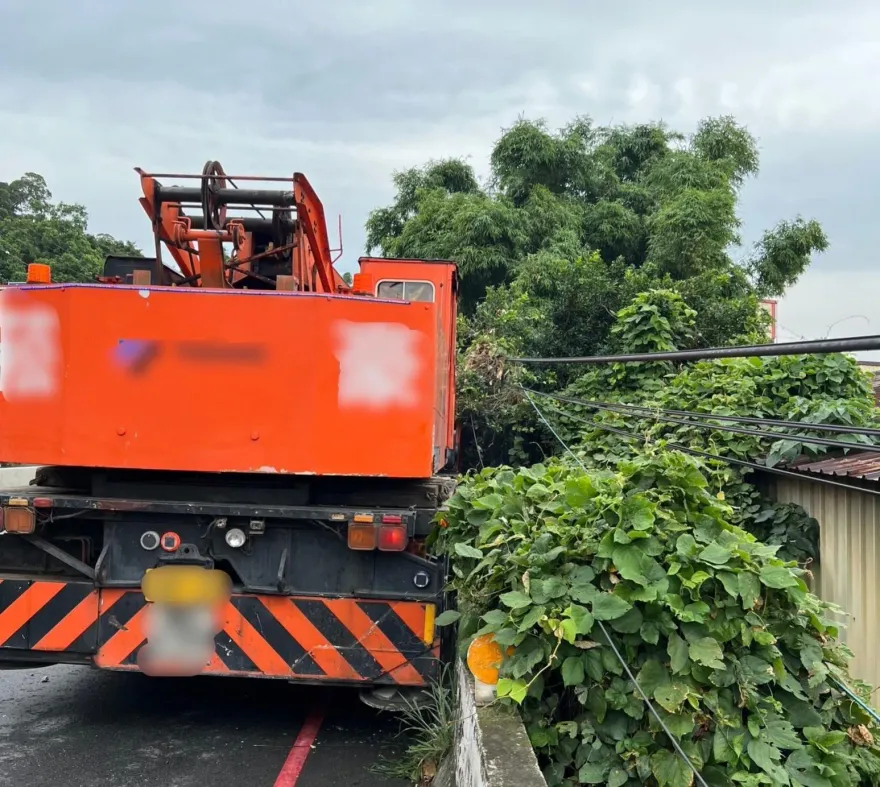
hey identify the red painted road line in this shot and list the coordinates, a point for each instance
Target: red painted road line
(302, 746)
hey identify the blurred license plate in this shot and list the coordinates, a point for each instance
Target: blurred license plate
(182, 618)
(185, 585)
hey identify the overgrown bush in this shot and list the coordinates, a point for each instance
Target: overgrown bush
(807, 389)
(565, 566)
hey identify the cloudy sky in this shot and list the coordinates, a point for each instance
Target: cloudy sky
(348, 91)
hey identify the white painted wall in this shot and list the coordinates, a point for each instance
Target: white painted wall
(13, 477)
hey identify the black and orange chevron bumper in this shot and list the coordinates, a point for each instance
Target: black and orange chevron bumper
(310, 639)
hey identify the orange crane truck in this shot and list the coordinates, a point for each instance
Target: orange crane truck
(240, 455)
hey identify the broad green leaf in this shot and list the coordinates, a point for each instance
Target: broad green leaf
(678, 654)
(447, 618)
(801, 714)
(466, 550)
(607, 606)
(593, 773)
(595, 667)
(569, 631)
(617, 777)
(638, 513)
(686, 545)
(649, 632)
(581, 575)
(715, 554)
(749, 589)
(555, 587)
(671, 696)
(515, 600)
(597, 703)
(496, 617)
(756, 669)
(581, 618)
(707, 651)
(628, 623)
(679, 724)
(532, 617)
(573, 671)
(579, 491)
(767, 757)
(723, 744)
(490, 501)
(730, 582)
(628, 561)
(584, 593)
(515, 689)
(525, 659)
(777, 577)
(652, 676)
(670, 770)
(780, 732)
(478, 517)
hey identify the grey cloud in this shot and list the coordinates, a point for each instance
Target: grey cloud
(348, 91)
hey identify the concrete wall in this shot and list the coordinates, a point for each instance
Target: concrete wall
(13, 477)
(492, 747)
(848, 570)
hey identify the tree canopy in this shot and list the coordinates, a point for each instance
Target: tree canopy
(33, 228)
(573, 223)
(648, 205)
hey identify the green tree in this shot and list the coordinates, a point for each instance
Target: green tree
(661, 203)
(33, 228)
(572, 224)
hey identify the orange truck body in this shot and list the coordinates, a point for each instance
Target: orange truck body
(204, 380)
(247, 417)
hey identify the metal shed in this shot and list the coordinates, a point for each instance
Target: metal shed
(848, 570)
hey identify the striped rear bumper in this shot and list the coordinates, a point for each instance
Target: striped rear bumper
(306, 638)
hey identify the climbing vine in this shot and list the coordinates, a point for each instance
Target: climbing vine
(604, 584)
(804, 389)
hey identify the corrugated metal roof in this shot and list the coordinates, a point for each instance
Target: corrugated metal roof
(860, 465)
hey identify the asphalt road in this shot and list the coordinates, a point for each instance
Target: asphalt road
(78, 727)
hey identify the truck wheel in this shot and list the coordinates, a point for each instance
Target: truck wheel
(10, 665)
(392, 698)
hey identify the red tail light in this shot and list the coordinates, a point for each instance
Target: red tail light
(392, 538)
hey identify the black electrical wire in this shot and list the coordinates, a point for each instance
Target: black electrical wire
(740, 418)
(820, 346)
(706, 455)
(614, 408)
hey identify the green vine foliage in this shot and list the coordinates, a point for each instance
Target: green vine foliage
(563, 566)
(806, 389)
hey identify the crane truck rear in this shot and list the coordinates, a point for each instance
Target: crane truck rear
(241, 455)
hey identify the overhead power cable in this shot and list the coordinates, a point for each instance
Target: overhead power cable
(613, 408)
(819, 346)
(715, 457)
(740, 418)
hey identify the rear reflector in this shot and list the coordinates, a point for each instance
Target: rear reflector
(363, 518)
(392, 538)
(392, 519)
(43, 502)
(361, 536)
(170, 541)
(19, 520)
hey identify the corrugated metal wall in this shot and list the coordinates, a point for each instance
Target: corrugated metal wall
(849, 565)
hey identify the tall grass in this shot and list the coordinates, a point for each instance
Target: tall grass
(429, 726)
